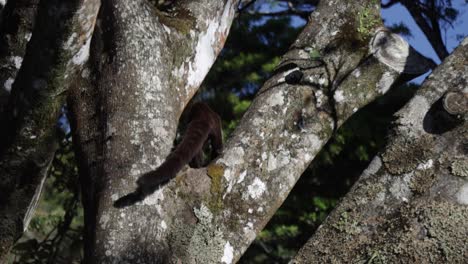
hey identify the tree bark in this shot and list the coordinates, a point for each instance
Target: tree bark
(155, 62)
(148, 65)
(16, 26)
(410, 205)
(60, 43)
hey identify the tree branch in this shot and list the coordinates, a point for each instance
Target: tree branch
(397, 211)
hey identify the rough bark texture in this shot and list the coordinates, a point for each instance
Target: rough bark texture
(153, 62)
(411, 204)
(60, 43)
(2, 6)
(16, 26)
(212, 215)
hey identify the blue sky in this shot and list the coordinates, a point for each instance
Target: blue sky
(418, 40)
(398, 13)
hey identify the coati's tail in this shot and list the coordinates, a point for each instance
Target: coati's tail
(204, 123)
(129, 199)
(148, 183)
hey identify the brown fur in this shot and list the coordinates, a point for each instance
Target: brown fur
(204, 124)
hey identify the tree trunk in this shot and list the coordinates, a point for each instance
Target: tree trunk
(27, 144)
(410, 205)
(148, 65)
(16, 26)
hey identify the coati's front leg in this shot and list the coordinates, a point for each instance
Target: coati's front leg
(216, 138)
(203, 124)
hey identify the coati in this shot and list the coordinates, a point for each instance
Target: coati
(203, 124)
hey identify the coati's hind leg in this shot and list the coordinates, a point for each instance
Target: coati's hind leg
(197, 161)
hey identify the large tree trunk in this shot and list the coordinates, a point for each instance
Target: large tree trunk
(410, 205)
(57, 51)
(148, 64)
(16, 26)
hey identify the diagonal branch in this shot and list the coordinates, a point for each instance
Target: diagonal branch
(410, 203)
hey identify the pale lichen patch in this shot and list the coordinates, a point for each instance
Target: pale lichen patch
(206, 48)
(385, 82)
(256, 189)
(157, 127)
(459, 166)
(8, 83)
(242, 176)
(271, 162)
(85, 73)
(206, 242)
(155, 199)
(28, 36)
(462, 195)
(357, 73)
(105, 218)
(203, 213)
(400, 188)
(464, 42)
(17, 61)
(339, 96)
(276, 99)
(70, 41)
(228, 254)
(373, 167)
(426, 165)
(249, 231)
(323, 81)
(278, 161)
(257, 121)
(233, 157)
(320, 96)
(313, 142)
(114, 197)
